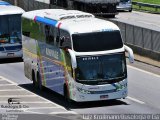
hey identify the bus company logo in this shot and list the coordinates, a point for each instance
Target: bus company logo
(14, 105)
(52, 53)
(91, 58)
(14, 101)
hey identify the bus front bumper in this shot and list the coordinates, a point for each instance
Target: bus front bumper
(11, 54)
(97, 97)
(83, 95)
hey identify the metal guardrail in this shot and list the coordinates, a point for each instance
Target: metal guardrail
(141, 4)
(143, 41)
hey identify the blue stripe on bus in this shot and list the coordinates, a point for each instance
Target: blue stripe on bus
(46, 21)
(4, 3)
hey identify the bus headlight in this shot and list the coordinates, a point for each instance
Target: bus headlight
(83, 91)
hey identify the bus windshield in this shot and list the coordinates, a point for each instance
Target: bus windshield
(101, 69)
(10, 31)
(97, 41)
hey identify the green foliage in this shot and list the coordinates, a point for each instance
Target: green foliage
(148, 1)
(142, 8)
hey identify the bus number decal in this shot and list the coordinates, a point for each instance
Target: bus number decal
(52, 53)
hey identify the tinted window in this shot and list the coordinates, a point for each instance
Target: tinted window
(10, 24)
(98, 41)
(65, 41)
(49, 34)
(106, 68)
(33, 29)
(10, 29)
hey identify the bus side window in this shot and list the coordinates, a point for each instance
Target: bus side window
(26, 27)
(64, 41)
(49, 34)
(57, 36)
(41, 32)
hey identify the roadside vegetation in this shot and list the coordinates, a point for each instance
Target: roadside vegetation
(148, 1)
(150, 9)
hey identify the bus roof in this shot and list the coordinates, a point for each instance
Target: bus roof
(88, 25)
(73, 21)
(56, 14)
(8, 9)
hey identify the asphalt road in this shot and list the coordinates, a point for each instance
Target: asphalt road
(28, 103)
(143, 98)
(146, 20)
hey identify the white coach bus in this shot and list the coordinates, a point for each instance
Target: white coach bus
(10, 30)
(74, 54)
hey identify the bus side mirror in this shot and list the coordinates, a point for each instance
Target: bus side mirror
(130, 52)
(57, 39)
(62, 41)
(73, 59)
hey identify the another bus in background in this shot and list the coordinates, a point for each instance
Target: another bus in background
(125, 5)
(10, 30)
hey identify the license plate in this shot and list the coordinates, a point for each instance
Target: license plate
(103, 96)
(10, 54)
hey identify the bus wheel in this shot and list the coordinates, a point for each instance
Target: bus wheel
(66, 96)
(39, 82)
(33, 79)
(130, 10)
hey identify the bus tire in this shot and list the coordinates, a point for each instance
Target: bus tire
(66, 96)
(130, 10)
(39, 82)
(33, 79)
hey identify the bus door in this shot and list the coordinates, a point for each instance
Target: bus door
(64, 43)
(53, 66)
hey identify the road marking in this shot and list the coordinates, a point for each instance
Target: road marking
(6, 84)
(70, 117)
(33, 94)
(42, 107)
(148, 23)
(8, 80)
(56, 113)
(33, 112)
(46, 100)
(1, 79)
(12, 90)
(67, 112)
(10, 96)
(136, 100)
(26, 102)
(144, 71)
(43, 98)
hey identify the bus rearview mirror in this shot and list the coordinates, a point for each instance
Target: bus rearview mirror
(73, 59)
(130, 53)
